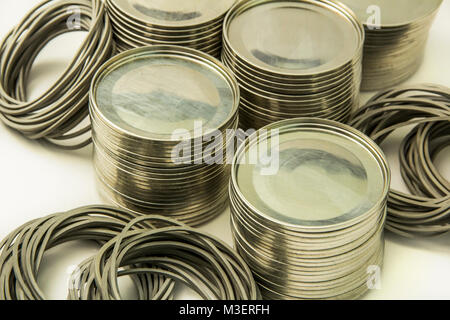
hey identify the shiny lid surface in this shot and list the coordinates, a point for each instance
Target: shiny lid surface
(154, 95)
(310, 175)
(392, 12)
(174, 13)
(294, 37)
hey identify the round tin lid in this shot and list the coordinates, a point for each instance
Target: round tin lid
(293, 37)
(310, 173)
(174, 13)
(392, 13)
(155, 93)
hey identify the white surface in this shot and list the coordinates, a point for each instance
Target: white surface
(37, 180)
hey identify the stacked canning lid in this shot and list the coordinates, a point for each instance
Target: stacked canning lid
(292, 59)
(158, 114)
(308, 212)
(190, 23)
(396, 35)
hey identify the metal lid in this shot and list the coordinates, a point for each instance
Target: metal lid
(174, 13)
(396, 36)
(325, 173)
(151, 92)
(293, 37)
(293, 58)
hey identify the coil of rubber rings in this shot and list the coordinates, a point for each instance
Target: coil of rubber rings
(21, 252)
(173, 251)
(57, 115)
(426, 210)
(176, 249)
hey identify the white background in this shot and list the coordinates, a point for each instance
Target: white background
(37, 180)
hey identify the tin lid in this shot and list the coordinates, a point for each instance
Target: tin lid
(293, 37)
(174, 13)
(153, 92)
(311, 173)
(393, 13)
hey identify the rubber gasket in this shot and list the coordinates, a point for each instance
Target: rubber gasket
(156, 252)
(426, 211)
(23, 249)
(58, 115)
(173, 251)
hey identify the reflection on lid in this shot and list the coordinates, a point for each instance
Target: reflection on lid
(167, 15)
(161, 105)
(291, 159)
(312, 185)
(286, 63)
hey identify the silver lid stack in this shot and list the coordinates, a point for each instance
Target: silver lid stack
(308, 207)
(293, 59)
(396, 36)
(195, 24)
(159, 116)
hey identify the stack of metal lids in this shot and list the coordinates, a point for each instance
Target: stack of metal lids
(158, 116)
(396, 36)
(308, 211)
(190, 23)
(293, 58)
